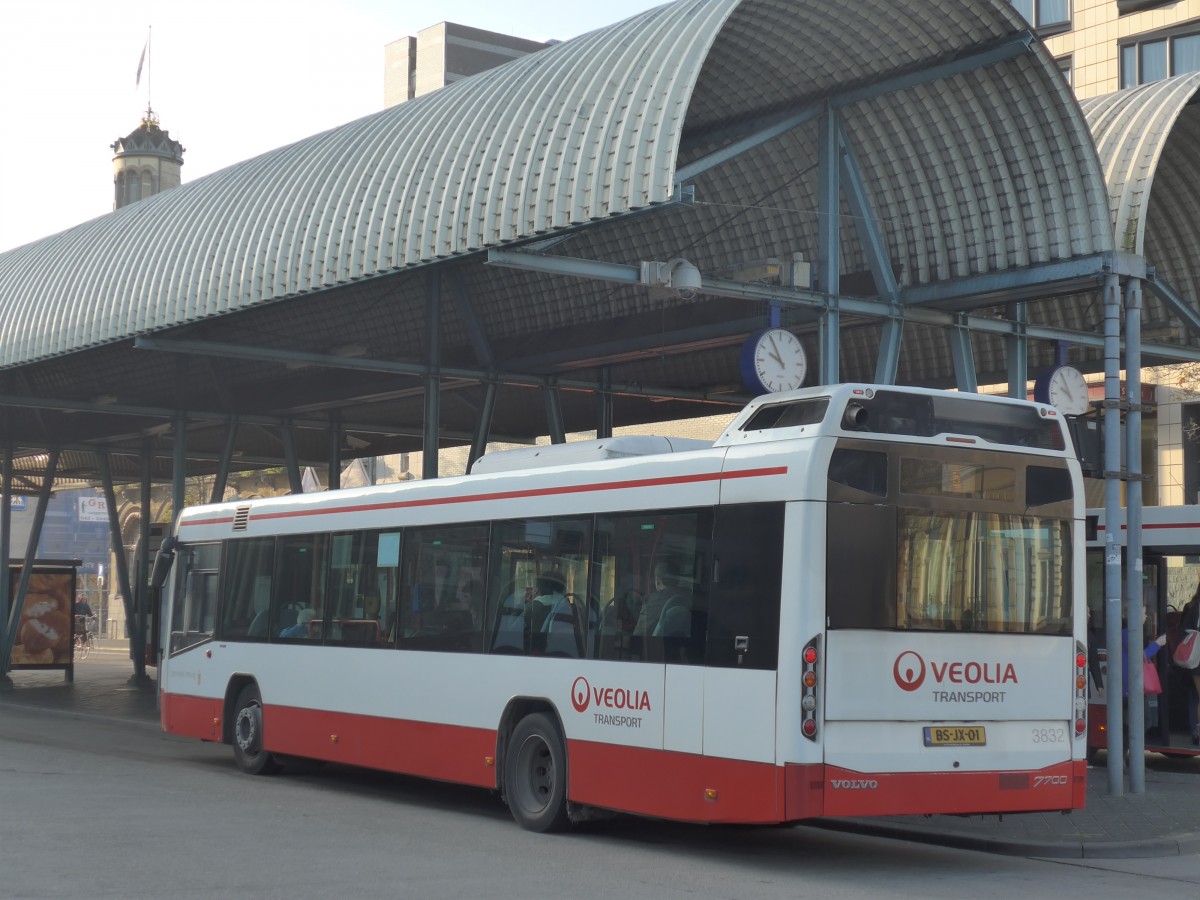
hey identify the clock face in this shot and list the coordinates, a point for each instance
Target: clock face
(773, 361)
(1067, 391)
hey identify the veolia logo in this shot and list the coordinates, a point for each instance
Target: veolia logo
(909, 671)
(581, 694)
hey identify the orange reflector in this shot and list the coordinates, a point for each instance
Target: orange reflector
(810, 679)
(1080, 683)
(333, 739)
(710, 794)
(489, 761)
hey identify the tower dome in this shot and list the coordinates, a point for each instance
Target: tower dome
(147, 161)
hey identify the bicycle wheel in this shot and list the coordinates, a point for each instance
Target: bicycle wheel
(81, 647)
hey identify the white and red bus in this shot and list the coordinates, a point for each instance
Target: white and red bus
(857, 601)
(1170, 575)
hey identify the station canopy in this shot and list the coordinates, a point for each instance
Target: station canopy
(289, 297)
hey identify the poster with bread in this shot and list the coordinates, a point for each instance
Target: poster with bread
(44, 634)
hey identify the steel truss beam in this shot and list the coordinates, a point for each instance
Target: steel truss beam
(753, 134)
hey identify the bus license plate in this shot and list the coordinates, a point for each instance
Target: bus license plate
(955, 736)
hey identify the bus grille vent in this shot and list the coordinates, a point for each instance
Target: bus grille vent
(241, 518)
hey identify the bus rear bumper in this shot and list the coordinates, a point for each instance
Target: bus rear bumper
(1062, 786)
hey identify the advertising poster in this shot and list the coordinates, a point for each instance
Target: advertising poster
(44, 629)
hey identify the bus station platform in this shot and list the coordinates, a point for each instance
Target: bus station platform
(1164, 821)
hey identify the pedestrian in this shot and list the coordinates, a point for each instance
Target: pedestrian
(1189, 619)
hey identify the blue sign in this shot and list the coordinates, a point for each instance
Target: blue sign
(18, 502)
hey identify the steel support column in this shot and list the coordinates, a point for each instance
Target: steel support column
(120, 562)
(1016, 347)
(963, 356)
(1133, 534)
(604, 398)
(1112, 510)
(430, 442)
(221, 479)
(554, 416)
(178, 469)
(6, 604)
(141, 590)
(295, 482)
(479, 442)
(891, 337)
(334, 478)
(829, 242)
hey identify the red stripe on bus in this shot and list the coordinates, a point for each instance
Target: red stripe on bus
(849, 793)
(504, 495)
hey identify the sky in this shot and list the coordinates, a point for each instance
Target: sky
(229, 80)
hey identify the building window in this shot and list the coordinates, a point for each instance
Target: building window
(1065, 69)
(1154, 58)
(1045, 14)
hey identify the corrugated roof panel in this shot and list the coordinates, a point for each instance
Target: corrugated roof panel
(984, 171)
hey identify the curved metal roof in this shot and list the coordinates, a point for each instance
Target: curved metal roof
(1146, 138)
(978, 172)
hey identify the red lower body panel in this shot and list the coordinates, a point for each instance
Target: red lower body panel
(671, 785)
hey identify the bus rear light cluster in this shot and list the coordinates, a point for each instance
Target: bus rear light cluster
(808, 696)
(1081, 661)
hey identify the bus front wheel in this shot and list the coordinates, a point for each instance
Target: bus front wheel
(248, 735)
(535, 775)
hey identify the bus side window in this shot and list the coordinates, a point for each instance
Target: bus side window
(440, 603)
(246, 589)
(743, 615)
(194, 606)
(299, 597)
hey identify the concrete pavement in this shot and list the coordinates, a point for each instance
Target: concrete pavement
(1164, 821)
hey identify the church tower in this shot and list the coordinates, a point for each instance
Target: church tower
(147, 161)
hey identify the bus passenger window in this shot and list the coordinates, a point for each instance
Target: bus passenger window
(246, 595)
(299, 597)
(652, 577)
(540, 599)
(440, 607)
(363, 586)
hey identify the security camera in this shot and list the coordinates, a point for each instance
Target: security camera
(685, 279)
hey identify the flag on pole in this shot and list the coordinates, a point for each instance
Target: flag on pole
(141, 62)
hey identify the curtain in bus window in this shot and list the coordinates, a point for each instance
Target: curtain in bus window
(440, 588)
(246, 592)
(194, 608)
(990, 572)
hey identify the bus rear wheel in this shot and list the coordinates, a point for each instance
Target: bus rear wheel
(248, 749)
(535, 775)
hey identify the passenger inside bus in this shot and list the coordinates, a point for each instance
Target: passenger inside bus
(666, 611)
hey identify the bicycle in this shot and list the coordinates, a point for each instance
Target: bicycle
(85, 638)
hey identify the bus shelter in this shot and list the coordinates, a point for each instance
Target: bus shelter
(581, 239)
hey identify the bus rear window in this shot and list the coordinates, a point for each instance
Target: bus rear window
(965, 481)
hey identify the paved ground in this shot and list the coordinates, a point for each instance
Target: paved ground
(1164, 821)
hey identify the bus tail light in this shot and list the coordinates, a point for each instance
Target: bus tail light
(1081, 661)
(810, 656)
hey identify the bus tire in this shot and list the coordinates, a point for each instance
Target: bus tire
(248, 749)
(535, 775)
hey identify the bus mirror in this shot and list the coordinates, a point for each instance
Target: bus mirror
(855, 417)
(162, 563)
